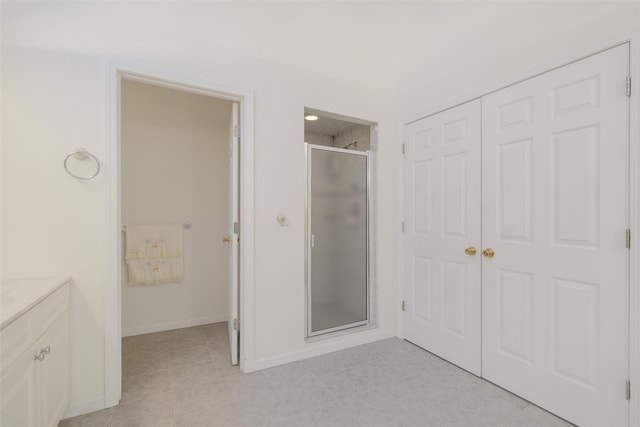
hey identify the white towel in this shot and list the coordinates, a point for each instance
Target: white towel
(154, 271)
(154, 241)
(154, 254)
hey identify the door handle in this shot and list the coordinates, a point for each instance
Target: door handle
(488, 253)
(470, 251)
(226, 239)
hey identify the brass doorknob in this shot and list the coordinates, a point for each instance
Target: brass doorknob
(489, 253)
(470, 251)
(226, 239)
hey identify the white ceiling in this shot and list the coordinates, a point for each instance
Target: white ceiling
(373, 44)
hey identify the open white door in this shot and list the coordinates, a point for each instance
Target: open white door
(234, 229)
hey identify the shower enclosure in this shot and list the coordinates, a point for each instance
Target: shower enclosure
(337, 208)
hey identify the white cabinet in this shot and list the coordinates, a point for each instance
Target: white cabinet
(34, 364)
(17, 406)
(52, 374)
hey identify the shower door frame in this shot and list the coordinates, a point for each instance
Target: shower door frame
(363, 324)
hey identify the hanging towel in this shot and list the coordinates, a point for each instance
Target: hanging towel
(154, 241)
(154, 254)
(154, 271)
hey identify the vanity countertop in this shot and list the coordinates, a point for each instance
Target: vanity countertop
(19, 295)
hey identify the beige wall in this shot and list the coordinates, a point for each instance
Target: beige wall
(318, 139)
(360, 134)
(175, 168)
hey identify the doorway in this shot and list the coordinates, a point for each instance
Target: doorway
(233, 256)
(175, 170)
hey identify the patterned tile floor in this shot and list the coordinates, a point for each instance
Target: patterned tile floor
(185, 378)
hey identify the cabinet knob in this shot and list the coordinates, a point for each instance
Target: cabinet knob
(46, 350)
(40, 357)
(470, 251)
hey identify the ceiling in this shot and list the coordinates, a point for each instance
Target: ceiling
(378, 44)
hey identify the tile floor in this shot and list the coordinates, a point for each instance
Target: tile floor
(185, 378)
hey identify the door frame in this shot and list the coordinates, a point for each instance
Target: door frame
(112, 309)
(559, 60)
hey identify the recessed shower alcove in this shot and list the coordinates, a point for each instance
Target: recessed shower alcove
(338, 222)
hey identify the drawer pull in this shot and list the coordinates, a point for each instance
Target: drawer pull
(40, 357)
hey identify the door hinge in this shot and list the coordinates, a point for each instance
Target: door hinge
(628, 238)
(402, 305)
(236, 228)
(236, 131)
(402, 226)
(236, 324)
(628, 85)
(628, 390)
(403, 145)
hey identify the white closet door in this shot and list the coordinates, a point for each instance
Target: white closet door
(555, 209)
(442, 185)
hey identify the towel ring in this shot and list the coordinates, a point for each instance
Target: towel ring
(82, 154)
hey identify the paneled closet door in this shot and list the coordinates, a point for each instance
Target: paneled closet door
(442, 209)
(555, 209)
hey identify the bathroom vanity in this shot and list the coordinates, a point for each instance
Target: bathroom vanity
(34, 351)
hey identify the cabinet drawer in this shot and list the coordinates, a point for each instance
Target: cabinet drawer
(47, 311)
(15, 339)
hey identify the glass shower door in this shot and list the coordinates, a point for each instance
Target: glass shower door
(337, 239)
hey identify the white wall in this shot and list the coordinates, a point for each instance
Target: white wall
(52, 224)
(54, 62)
(175, 168)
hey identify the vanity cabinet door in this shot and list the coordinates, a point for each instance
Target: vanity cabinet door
(18, 403)
(53, 372)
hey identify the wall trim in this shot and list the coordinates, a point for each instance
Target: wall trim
(319, 348)
(158, 75)
(82, 408)
(178, 324)
(588, 49)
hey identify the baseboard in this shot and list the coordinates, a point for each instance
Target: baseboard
(81, 408)
(167, 326)
(321, 347)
